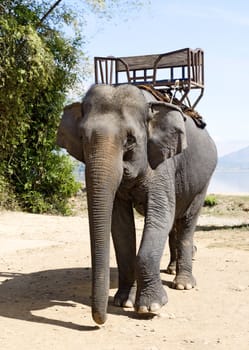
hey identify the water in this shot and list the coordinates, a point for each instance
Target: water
(223, 181)
(230, 181)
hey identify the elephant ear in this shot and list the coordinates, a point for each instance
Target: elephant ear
(68, 135)
(166, 132)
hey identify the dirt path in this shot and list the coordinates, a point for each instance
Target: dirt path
(45, 291)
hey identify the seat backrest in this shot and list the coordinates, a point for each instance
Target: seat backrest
(184, 64)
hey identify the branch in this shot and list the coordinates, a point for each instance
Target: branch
(48, 12)
(3, 8)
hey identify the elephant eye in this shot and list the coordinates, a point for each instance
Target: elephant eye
(130, 142)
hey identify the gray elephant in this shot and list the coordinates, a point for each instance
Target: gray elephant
(145, 154)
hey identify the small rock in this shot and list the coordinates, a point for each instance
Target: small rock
(239, 288)
(169, 315)
(188, 341)
(124, 330)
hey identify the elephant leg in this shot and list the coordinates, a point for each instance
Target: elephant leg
(124, 240)
(151, 295)
(171, 269)
(185, 228)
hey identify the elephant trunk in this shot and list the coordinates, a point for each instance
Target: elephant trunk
(103, 176)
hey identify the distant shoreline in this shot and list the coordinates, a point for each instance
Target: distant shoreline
(232, 170)
(241, 194)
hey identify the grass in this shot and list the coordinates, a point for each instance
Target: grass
(228, 205)
(235, 236)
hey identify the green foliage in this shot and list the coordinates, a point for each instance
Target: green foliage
(210, 201)
(40, 192)
(7, 196)
(38, 66)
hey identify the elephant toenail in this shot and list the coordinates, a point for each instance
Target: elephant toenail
(155, 307)
(188, 286)
(128, 304)
(142, 310)
(180, 286)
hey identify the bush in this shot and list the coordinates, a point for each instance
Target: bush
(50, 189)
(7, 196)
(37, 67)
(210, 201)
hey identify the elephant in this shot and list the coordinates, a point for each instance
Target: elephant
(144, 154)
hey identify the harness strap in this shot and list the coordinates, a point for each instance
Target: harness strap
(164, 97)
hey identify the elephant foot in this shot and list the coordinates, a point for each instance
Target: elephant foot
(184, 282)
(125, 297)
(150, 301)
(171, 269)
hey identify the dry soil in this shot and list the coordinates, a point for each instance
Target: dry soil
(45, 283)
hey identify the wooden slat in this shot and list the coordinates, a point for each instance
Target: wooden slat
(177, 58)
(137, 62)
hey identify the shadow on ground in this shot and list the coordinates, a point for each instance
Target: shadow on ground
(221, 227)
(22, 294)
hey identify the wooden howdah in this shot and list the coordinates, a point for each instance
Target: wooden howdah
(177, 72)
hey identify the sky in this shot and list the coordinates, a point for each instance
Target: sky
(220, 28)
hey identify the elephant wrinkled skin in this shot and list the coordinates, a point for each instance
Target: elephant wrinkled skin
(145, 154)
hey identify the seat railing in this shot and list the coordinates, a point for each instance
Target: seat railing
(182, 70)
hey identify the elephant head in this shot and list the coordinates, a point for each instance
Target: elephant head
(111, 131)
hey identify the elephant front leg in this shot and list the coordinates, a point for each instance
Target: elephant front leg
(151, 295)
(124, 239)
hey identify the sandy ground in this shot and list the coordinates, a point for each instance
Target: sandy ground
(45, 282)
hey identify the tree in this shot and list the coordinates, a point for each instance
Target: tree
(39, 63)
(37, 68)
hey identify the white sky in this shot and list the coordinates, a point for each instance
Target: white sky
(219, 27)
